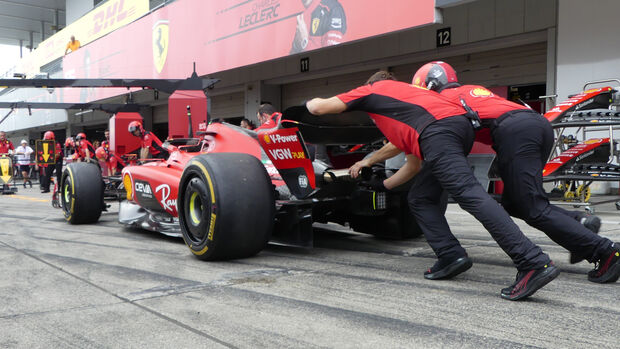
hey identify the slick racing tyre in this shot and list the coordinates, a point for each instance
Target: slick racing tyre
(226, 206)
(81, 193)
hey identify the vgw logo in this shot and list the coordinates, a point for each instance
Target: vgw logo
(166, 203)
(161, 38)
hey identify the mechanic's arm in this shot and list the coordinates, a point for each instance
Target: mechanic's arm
(389, 150)
(405, 173)
(320, 106)
(87, 152)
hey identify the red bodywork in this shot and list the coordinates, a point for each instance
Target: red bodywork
(156, 184)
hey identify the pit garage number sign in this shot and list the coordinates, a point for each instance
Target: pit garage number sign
(6, 170)
(45, 150)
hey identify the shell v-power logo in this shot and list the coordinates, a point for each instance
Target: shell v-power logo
(161, 38)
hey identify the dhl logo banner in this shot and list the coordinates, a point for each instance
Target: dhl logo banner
(100, 21)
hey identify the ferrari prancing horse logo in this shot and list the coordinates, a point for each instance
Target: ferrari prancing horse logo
(161, 37)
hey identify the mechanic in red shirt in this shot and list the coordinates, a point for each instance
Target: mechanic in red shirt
(149, 142)
(323, 23)
(48, 170)
(6, 146)
(110, 161)
(84, 149)
(428, 126)
(268, 117)
(523, 140)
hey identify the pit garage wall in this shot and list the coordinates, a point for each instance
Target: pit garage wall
(588, 43)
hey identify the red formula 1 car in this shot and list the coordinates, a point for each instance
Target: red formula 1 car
(229, 191)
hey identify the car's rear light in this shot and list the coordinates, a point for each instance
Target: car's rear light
(127, 183)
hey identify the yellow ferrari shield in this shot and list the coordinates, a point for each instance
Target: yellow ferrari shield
(315, 25)
(160, 44)
(6, 170)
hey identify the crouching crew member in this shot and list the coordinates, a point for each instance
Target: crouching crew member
(148, 142)
(110, 161)
(523, 140)
(428, 126)
(84, 149)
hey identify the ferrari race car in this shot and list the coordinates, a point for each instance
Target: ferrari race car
(229, 191)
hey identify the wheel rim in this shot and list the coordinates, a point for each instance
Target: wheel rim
(197, 214)
(195, 209)
(67, 195)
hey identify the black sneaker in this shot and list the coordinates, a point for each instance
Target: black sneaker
(448, 268)
(593, 223)
(607, 269)
(530, 281)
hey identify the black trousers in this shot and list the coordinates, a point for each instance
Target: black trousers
(445, 144)
(523, 141)
(47, 173)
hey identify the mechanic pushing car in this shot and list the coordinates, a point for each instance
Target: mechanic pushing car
(428, 126)
(149, 142)
(523, 140)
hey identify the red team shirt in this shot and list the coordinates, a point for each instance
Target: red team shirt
(401, 111)
(149, 140)
(5, 146)
(81, 149)
(488, 105)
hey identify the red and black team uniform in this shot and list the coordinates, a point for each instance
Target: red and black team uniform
(523, 140)
(155, 146)
(5, 146)
(426, 124)
(326, 23)
(82, 147)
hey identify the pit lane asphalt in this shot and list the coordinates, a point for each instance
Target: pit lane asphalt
(104, 286)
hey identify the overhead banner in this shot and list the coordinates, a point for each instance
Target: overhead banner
(102, 20)
(226, 34)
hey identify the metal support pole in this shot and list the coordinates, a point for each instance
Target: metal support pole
(42, 31)
(56, 23)
(31, 42)
(21, 46)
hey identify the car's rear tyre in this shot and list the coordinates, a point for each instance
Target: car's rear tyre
(81, 193)
(226, 206)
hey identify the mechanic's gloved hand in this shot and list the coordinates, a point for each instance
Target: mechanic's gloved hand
(375, 184)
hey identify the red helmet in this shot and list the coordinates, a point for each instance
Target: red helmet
(80, 136)
(101, 154)
(434, 75)
(48, 135)
(69, 143)
(135, 126)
